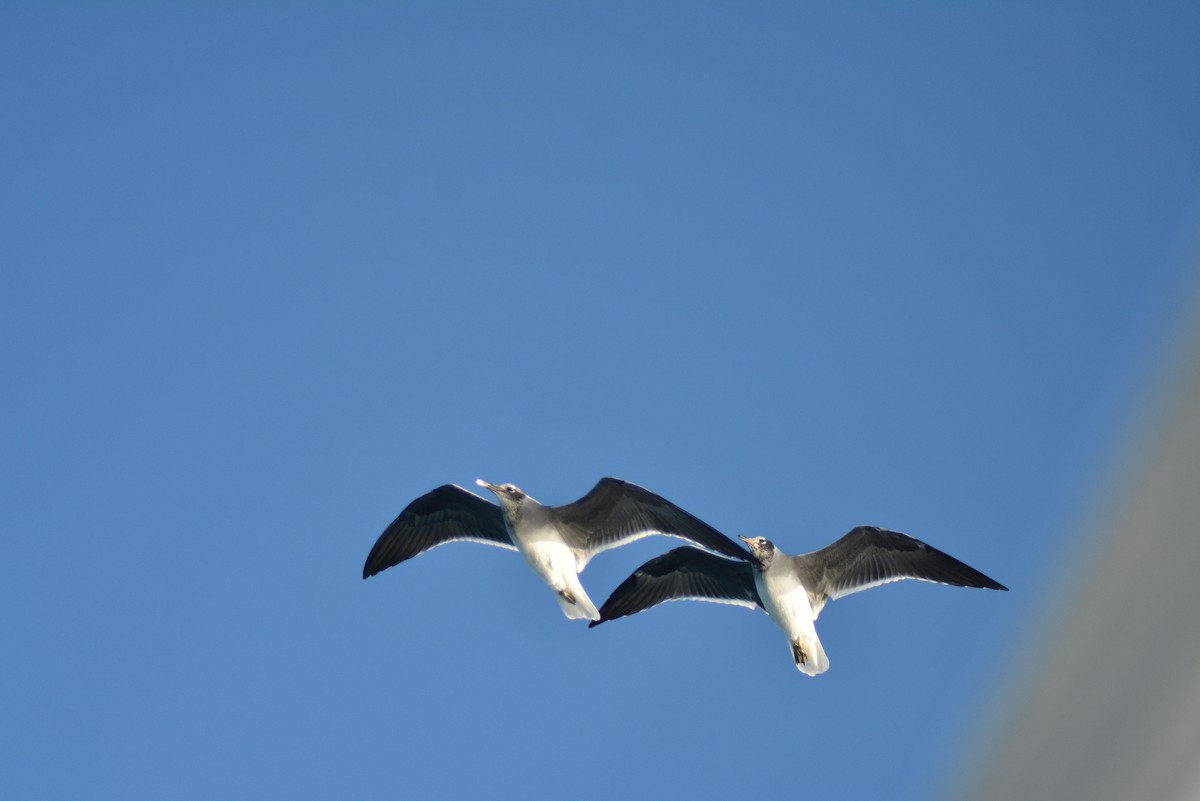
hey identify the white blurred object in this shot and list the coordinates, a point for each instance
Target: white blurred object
(1111, 706)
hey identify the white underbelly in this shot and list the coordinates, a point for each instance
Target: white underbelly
(786, 601)
(787, 604)
(550, 557)
(551, 560)
(558, 566)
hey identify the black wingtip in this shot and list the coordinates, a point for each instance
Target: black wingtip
(987, 582)
(592, 624)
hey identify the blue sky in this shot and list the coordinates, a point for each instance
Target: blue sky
(270, 273)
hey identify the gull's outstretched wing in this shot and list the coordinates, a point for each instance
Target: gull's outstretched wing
(869, 556)
(682, 574)
(615, 512)
(443, 515)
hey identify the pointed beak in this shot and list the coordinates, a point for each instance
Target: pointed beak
(482, 483)
(752, 557)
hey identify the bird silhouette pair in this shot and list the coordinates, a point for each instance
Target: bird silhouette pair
(558, 542)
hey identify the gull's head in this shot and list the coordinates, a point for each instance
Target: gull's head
(510, 495)
(761, 548)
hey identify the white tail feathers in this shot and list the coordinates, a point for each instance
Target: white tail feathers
(809, 655)
(576, 605)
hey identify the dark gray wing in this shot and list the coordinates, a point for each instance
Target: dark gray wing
(682, 574)
(615, 512)
(446, 514)
(869, 556)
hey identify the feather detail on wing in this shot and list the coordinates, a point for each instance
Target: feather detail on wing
(869, 556)
(446, 514)
(615, 512)
(682, 574)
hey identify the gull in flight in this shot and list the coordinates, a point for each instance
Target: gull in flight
(792, 590)
(556, 541)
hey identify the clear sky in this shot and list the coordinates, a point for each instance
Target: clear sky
(268, 274)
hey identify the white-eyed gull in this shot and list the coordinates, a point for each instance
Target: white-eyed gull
(556, 541)
(792, 590)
